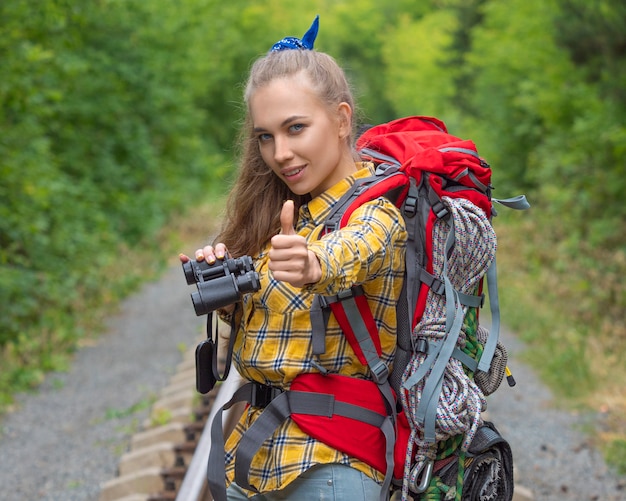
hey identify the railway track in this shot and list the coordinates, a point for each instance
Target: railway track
(167, 459)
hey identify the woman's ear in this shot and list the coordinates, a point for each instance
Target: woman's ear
(344, 113)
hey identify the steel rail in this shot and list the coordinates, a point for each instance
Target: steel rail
(194, 485)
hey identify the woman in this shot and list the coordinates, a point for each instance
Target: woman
(298, 148)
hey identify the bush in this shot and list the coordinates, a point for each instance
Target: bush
(102, 139)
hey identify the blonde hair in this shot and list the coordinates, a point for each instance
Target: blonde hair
(254, 203)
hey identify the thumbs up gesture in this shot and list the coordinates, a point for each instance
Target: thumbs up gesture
(287, 226)
(290, 260)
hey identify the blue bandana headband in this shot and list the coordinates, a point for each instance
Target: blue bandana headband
(290, 43)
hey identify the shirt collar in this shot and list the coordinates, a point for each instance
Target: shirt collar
(320, 206)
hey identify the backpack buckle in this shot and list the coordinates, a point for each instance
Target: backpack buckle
(323, 370)
(440, 210)
(354, 291)
(263, 394)
(380, 372)
(324, 301)
(410, 206)
(433, 283)
(421, 346)
(344, 294)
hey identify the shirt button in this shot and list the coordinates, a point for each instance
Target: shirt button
(329, 482)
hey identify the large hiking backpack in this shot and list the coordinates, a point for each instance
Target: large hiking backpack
(422, 423)
(446, 363)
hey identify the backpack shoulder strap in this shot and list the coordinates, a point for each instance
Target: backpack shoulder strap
(358, 325)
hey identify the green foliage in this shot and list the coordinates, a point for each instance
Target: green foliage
(594, 33)
(616, 454)
(412, 73)
(102, 139)
(592, 148)
(515, 67)
(359, 30)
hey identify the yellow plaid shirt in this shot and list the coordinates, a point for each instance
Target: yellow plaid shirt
(274, 341)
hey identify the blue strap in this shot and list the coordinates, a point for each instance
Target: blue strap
(519, 203)
(427, 410)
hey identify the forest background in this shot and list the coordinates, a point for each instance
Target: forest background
(117, 125)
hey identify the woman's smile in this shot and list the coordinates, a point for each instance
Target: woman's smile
(291, 173)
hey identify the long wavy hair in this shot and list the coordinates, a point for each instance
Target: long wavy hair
(253, 207)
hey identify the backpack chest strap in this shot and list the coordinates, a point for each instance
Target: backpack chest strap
(355, 318)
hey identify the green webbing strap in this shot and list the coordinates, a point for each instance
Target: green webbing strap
(460, 476)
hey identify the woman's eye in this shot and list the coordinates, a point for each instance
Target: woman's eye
(264, 138)
(295, 128)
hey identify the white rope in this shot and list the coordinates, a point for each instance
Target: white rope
(461, 402)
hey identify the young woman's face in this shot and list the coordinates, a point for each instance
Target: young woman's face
(300, 139)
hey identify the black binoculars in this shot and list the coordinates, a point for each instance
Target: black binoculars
(221, 283)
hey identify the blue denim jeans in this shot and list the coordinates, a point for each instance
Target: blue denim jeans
(331, 482)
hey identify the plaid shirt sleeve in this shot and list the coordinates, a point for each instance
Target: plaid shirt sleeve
(363, 250)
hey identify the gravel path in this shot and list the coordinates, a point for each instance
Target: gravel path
(66, 440)
(552, 457)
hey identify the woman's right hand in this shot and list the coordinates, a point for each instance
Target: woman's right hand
(208, 253)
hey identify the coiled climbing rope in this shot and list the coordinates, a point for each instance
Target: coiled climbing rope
(460, 401)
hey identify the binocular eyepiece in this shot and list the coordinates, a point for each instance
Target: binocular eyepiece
(221, 283)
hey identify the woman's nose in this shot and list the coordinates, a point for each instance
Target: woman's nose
(282, 149)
